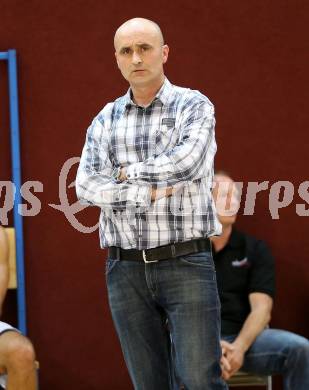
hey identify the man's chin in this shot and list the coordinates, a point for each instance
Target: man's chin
(139, 81)
(227, 220)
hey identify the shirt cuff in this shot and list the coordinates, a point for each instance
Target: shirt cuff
(140, 195)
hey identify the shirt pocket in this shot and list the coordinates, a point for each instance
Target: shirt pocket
(166, 138)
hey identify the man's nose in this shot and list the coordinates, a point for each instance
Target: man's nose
(136, 58)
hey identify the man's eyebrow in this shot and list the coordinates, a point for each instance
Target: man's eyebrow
(138, 45)
(124, 48)
(144, 44)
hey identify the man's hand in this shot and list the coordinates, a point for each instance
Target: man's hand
(232, 358)
(161, 193)
(123, 174)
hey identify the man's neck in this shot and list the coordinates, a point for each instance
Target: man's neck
(144, 95)
(219, 242)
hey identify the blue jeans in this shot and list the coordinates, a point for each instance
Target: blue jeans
(182, 291)
(279, 352)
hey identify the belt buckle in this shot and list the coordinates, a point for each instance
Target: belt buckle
(145, 259)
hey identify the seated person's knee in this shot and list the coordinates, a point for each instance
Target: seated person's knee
(19, 352)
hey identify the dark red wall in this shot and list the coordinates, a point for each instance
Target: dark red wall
(249, 57)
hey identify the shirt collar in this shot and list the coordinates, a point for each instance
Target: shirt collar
(163, 94)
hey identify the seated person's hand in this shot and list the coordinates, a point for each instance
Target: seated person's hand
(232, 358)
(225, 367)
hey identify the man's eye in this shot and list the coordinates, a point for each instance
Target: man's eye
(144, 48)
(125, 51)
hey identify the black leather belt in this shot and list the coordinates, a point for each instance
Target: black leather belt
(164, 252)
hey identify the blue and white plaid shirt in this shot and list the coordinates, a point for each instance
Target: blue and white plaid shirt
(170, 143)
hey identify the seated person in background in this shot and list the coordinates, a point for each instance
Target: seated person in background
(17, 358)
(246, 285)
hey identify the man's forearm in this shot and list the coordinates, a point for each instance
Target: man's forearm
(4, 281)
(103, 191)
(259, 317)
(253, 326)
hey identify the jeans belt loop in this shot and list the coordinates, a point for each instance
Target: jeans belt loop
(145, 258)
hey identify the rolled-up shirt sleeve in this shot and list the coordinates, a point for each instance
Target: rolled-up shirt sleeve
(190, 159)
(94, 182)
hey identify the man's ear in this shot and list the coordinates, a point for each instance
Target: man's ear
(165, 51)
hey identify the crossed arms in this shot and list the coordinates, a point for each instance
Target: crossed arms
(191, 158)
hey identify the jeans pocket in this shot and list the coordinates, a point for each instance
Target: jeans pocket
(109, 265)
(201, 259)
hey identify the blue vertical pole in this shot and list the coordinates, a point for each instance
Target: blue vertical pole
(16, 172)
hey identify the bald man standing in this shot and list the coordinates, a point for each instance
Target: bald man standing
(148, 164)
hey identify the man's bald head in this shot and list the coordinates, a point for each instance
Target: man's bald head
(141, 53)
(138, 24)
